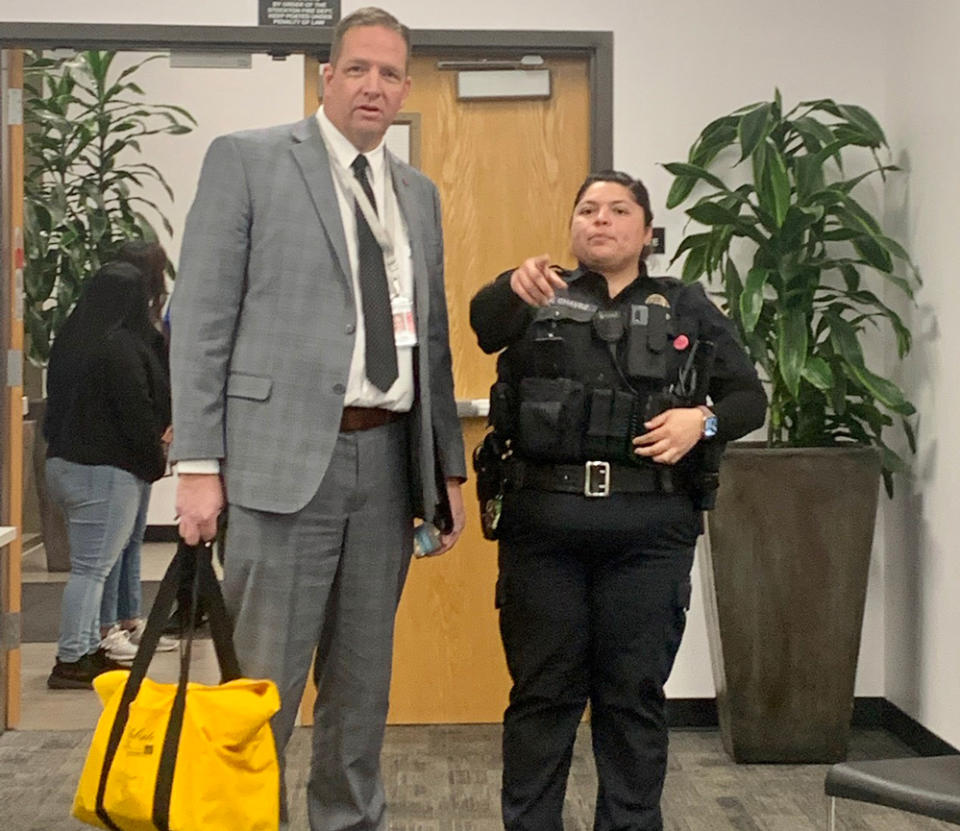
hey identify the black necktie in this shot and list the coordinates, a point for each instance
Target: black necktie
(381, 353)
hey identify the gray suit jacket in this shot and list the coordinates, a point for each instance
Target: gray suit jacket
(263, 321)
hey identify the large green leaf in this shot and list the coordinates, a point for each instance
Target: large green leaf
(776, 169)
(751, 299)
(827, 105)
(817, 372)
(792, 337)
(680, 189)
(815, 135)
(863, 121)
(694, 264)
(911, 437)
(758, 162)
(848, 185)
(754, 126)
(844, 339)
(893, 247)
(809, 176)
(840, 235)
(697, 172)
(733, 285)
(688, 242)
(905, 286)
(888, 393)
(855, 215)
(795, 223)
(710, 213)
(712, 143)
(874, 253)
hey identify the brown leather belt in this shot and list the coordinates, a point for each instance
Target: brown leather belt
(366, 418)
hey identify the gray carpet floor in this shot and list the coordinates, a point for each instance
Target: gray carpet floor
(446, 778)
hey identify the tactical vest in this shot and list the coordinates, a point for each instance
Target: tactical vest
(582, 380)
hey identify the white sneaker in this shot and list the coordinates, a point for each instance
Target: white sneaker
(165, 644)
(117, 645)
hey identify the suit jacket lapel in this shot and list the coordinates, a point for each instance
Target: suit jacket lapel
(310, 155)
(422, 443)
(412, 217)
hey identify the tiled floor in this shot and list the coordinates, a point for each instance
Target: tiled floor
(45, 709)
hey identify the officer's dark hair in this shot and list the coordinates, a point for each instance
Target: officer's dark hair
(637, 189)
(367, 16)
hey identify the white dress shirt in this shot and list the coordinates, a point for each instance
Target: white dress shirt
(360, 392)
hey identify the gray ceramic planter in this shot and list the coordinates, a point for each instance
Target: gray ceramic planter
(785, 580)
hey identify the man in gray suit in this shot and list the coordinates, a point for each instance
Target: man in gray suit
(288, 407)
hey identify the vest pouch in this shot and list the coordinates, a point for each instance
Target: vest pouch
(610, 427)
(503, 411)
(552, 417)
(647, 338)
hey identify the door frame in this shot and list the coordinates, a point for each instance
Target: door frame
(279, 42)
(11, 376)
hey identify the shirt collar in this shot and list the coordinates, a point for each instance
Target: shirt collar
(344, 151)
(598, 283)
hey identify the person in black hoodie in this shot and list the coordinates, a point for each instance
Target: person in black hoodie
(108, 407)
(121, 625)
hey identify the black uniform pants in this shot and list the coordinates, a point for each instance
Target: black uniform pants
(593, 596)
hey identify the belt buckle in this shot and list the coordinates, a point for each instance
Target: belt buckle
(596, 479)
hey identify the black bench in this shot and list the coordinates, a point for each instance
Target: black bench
(929, 786)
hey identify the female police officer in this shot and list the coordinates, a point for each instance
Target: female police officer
(602, 399)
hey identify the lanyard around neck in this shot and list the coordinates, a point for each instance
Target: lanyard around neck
(382, 230)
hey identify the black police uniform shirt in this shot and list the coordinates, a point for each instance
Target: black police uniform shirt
(502, 320)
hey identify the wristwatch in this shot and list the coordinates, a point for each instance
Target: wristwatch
(709, 422)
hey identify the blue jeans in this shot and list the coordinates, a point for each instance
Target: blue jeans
(101, 504)
(122, 593)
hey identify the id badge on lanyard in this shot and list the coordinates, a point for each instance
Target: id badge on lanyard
(401, 307)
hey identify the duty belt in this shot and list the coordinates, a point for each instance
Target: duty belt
(592, 478)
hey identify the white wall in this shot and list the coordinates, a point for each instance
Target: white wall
(677, 65)
(922, 566)
(171, 12)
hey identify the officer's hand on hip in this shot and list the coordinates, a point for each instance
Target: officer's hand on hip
(200, 499)
(534, 282)
(447, 541)
(670, 435)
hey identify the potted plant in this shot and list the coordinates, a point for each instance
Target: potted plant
(84, 196)
(798, 259)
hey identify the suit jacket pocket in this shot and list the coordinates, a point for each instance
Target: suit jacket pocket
(241, 385)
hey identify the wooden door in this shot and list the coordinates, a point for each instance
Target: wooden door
(507, 171)
(11, 419)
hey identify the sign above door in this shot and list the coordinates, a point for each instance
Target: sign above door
(324, 13)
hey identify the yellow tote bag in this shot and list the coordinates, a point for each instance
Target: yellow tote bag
(184, 756)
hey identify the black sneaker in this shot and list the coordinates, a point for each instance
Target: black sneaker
(72, 675)
(101, 662)
(175, 625)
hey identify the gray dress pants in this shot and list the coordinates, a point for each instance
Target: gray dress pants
(328, 578)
